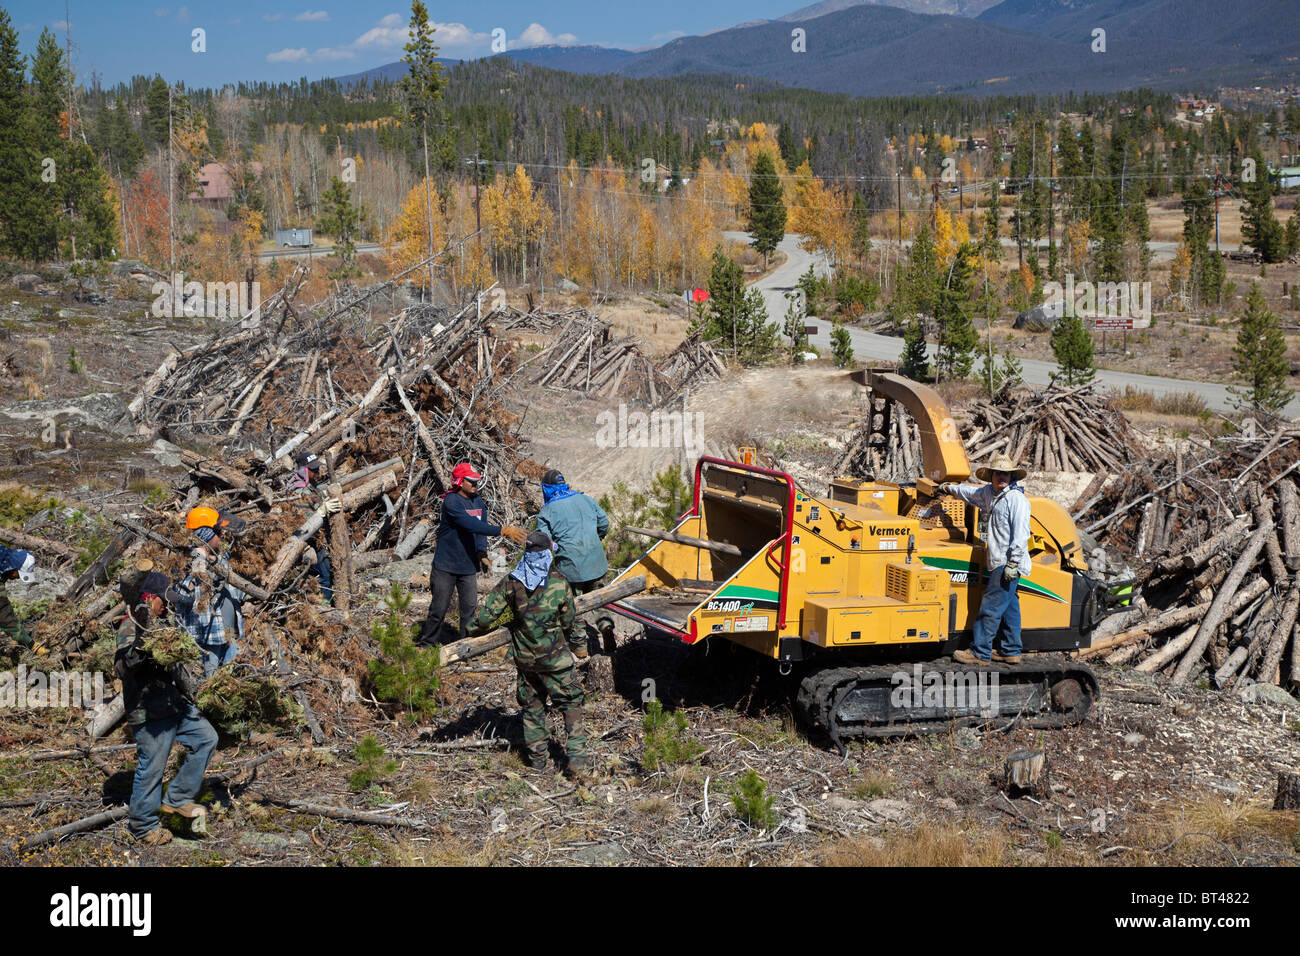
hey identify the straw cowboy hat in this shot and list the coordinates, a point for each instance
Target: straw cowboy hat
(1000, 463)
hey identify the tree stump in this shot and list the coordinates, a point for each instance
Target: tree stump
(134, 475)
(1288, 791)
(1026, 772)
(599, 678)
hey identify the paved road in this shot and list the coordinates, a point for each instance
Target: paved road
(868, 345)
(294, 252)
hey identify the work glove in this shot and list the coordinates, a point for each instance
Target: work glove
(516, 535)
(948, 488)
(330, 506)
(1010, 575)
(484, 564)
(579, 651)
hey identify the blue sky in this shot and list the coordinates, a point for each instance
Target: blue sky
(272, 40)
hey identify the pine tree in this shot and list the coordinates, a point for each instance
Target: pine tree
(841, 345)
(795, 323)
(1259, 226)
(404, 673)
(27, 227)
(736, 318)
(767, 213)
(915, 360)
(422, 86)
(1259, 358)
(341, 220)
(157, 104)
(1293, 234)
(1072, 346)
(956, 333)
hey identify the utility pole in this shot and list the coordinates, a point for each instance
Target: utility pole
(900, 207)
(171, 185)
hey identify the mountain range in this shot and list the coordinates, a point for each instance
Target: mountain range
(919, 47)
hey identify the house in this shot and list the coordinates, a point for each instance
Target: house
(1288, 177)
(215, 186)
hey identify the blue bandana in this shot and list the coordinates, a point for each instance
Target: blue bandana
(533, 568)
(555, 493)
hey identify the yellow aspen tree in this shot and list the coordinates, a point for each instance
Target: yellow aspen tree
(407, 241)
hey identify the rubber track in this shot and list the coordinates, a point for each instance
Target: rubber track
(820, 691)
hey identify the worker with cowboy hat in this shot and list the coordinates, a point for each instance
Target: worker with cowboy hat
(15, 563)
(209, 607)
(1004, 527)
(461, 551)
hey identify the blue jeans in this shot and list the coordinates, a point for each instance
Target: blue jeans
(153, 745)
(999, 614)
(215, 655)
(325, 571)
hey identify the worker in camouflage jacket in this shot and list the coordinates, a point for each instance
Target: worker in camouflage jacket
(544, 640)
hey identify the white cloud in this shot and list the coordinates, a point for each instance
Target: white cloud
(272, 17)
(288, 55)
(538, 35)
(391, 33)
(307, 15)
(59, 25)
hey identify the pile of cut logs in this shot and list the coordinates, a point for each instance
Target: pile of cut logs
(1057, 429)
(584, 355)
(1214, 532)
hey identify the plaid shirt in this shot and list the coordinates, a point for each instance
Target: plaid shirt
(208, 627)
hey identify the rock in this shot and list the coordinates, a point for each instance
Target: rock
(891, 810)
(260, 842)
(567, 285)
(1270, 694)
(967, 739)
(1040, 318)
(26, 282)
(946, 803)
(1134, 738)
(48, 586)
(837, 801)
(602, 854)
(100, 410)
(135, 269)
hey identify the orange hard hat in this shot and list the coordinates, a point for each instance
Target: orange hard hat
(201, 518)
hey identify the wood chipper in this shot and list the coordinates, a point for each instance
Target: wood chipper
(861, 595)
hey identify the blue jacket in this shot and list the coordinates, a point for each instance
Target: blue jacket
(462, 533)
(576, 524)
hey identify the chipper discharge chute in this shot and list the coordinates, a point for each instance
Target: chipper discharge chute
(862, 595)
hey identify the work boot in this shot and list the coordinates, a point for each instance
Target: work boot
(536, 761)
(187, 810)
(966, 657)
(155, 837)
(1006, 658)
(579, 772)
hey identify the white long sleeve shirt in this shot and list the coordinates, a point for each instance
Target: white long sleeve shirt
(1004, 524)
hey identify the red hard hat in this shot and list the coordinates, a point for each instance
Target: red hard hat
(462, 471)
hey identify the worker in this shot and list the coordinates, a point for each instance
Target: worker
(159, 706)
(15, 564)
(306, 480)
(461, 551)
(210, 608)
(1004, 527)
(542, 621)
(578, 527)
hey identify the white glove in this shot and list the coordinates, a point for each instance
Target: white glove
(948, 488)
(330, 506)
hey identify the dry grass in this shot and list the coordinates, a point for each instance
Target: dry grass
(31, 388)
(1173, 403)
(1218, 830)
(947, 846)
(40, 353)
(872, 785)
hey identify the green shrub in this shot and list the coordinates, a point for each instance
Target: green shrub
(373, 764)
(666, 742)
(404, 673)
(751, 802)
(76, 364)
